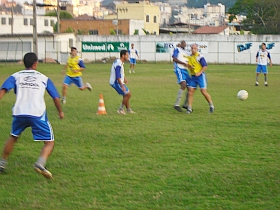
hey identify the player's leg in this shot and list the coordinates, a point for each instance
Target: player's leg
(9, 145)
(18, 126)
(185, 105)
(202, 82)
(265, 72)
(191, 91)
(182, 81)
(42, 131)
(258, 70)
(78, 81)
(125, 102)
(66, 83)
(131, 64)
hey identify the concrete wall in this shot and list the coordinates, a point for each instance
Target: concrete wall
(220, 49)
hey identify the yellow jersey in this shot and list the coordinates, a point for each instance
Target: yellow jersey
(73, 64)
(195, 62)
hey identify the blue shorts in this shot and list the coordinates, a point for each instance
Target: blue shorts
(262, 69)
(182, 75)
(119, 89)
(132, 61)
(76, 80)
(41, 127)
(200, 80)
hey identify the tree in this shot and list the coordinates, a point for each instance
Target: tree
(263, 16)
(62, 15)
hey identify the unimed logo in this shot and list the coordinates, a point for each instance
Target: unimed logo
(91, 47)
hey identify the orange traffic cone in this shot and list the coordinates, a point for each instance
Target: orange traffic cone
(101, 106)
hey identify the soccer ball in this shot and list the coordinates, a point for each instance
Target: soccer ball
(242, 95)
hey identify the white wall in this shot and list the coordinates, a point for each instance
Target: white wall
(220, 48)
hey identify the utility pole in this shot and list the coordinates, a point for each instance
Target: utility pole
(57, 15)
(12, 21)
(35, 40)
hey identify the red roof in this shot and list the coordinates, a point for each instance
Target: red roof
(210, 30)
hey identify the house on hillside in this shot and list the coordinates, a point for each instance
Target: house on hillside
(220, 30)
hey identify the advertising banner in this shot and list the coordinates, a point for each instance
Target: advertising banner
(104, 46)
(168, 47)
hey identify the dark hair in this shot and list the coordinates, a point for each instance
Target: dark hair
(73, 48)
(263, 44)
(123, 52)
(29, 59)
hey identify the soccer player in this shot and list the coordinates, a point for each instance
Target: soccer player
(180, 68)
(30, 111)
(262, 57)
(198, 77)
(74, 66)
(118, 82)
(132, 58)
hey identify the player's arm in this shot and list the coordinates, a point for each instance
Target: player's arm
(2, 93)
(203, 63)
(137, 53)
(270, 61)
(119, 77)
(81, 65)
(7, 85)
(257, 56)
(52, 91)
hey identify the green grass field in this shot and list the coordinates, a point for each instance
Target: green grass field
(158, 158)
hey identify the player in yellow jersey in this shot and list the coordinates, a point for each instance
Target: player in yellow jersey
(74, 68)
(198, 77)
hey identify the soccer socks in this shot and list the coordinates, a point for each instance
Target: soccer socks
(121, 107)
(41, 161)
(179, 97)
(186, 100)
(3, 163)
(257, 78)
(265, 78)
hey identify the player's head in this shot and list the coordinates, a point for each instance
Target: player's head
(30, 60)
(124, 56)
(263, 46)
(194, 49)
(132, 45)
(178, 45)
(183, 44)
(74, 51)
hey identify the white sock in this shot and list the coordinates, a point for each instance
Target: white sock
(179, 97)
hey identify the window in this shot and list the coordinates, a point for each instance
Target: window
(52, 22)
(93, 32)
(46, 22)
(147, 18)
(10, 21)
(155, 19)
(155, 33)
(3, 21)
(31, 22)
(25, 21)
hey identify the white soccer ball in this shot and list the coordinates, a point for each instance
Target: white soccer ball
(242, 95)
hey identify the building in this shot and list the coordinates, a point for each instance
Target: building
(143, 10)
(220, 30)
(102, 27)
(165, 12)
(177, 2)
(214, 11)
(23, 24)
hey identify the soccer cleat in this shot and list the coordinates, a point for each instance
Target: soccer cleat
(63, 101)
(189, 111)
(131, 112)
(256, 84)
(88, 86)
(133, 71)
(121, 111)
(265, 84)
(2, 170)
(42, 170)
(211, 110)
(185, 106)
(178, 108)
